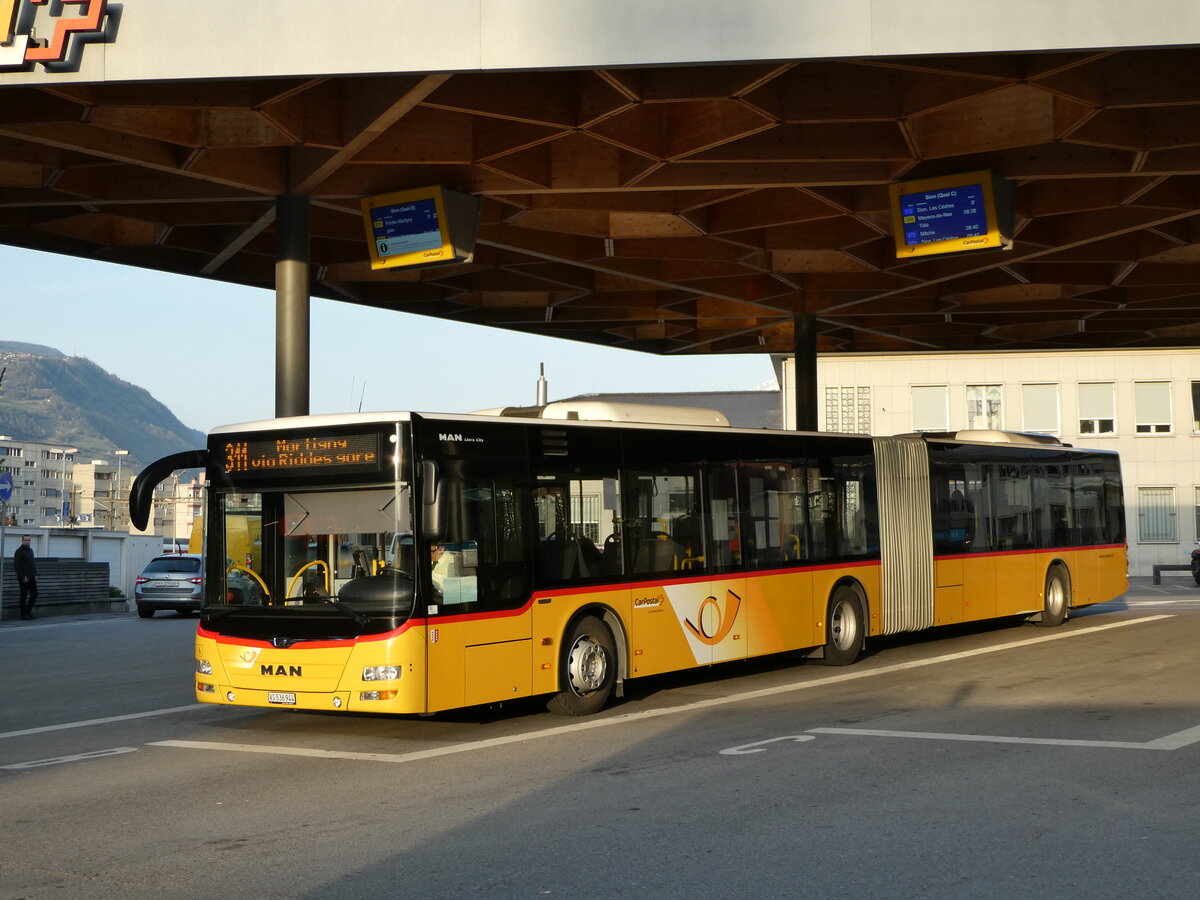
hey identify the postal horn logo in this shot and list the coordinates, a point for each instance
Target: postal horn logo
(712, 623)
(52, 32)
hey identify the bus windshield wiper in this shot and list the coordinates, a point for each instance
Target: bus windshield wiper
(348, 611)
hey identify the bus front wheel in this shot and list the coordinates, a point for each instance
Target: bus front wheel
(1056, 603)
(587, 669)
(845, 627)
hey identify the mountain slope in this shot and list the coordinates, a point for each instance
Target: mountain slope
(69, 400)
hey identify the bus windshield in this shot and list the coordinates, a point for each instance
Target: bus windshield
(351, 549)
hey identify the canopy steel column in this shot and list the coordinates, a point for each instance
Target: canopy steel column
(291, 305)
(805, 371)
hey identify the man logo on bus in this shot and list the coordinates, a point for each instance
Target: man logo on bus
(712, 625)
(268, 669)
(21, 20)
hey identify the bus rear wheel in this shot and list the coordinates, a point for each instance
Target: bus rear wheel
(845, 627)
(1056, 603)
(588, 669)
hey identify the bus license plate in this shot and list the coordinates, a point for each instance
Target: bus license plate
(280, 697)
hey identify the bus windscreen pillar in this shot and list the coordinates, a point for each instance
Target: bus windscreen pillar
(805, 370)
(291, 305)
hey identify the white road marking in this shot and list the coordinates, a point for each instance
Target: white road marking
(76, 757)
(1164, 603)
(1171, 742)
(12, 628)
(757, 746)
(625, 718)
(86, 722)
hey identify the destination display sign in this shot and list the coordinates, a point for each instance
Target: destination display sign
(951, 214)
(303, 454)
(942, 215)
(426, 226)
(401, 228)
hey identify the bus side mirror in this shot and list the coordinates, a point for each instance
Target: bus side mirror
(141, 495)
(432, 492)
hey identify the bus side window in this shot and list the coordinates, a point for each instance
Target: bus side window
(662, 522)
(724, 521)
(578, 528)
(480, 558)
(777, 503)
(953, 516)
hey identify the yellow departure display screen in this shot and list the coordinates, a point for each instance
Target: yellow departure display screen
(301, 455)
(952, 214)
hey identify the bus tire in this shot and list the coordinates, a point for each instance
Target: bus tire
(1056, 602)
(587, 669)
(845, 627)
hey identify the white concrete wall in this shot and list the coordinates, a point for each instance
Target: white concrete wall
(126, 554)
(182, 39)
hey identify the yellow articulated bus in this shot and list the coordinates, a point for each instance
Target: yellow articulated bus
(412, 563)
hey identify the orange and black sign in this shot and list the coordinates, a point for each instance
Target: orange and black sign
(39, 31)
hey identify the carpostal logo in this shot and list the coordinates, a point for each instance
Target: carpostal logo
(713, 623)
(52, 32)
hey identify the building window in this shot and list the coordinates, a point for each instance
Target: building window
(1096, 414)
(984, 406)
(1156, 514)
(848, 409)
(1152, 407)
(929, 410)
(1039, 408)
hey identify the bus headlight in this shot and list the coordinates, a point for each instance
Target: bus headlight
(203, 667)
(381, 673)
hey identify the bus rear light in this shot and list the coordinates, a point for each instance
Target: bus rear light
(377, 695)
(206, 688)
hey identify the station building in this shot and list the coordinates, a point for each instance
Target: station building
(1144, 404)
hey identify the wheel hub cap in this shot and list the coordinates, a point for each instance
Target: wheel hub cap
(587, 666)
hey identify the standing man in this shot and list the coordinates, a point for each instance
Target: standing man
(26, 570)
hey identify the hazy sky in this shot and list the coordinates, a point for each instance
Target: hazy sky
(207, 350)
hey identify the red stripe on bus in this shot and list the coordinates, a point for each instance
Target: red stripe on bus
(696, 579)
(631, 586)
(1025, 552)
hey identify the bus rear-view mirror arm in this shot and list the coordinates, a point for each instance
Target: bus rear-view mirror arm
(141, 495)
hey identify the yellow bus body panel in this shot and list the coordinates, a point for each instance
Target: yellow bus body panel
(466, 660)
(993, 585)
(476, 659)
(317, 672)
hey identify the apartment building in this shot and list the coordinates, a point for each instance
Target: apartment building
(43, 482)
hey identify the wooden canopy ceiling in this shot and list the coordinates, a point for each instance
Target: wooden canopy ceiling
(671, 210)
